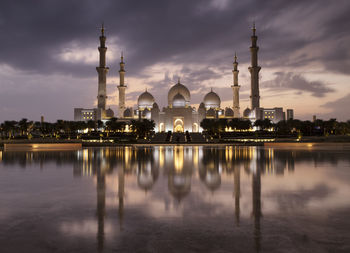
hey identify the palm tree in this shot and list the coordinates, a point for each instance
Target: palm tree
(264, 124)
(240, 124)
(142, 128)
(24, 125)
(9, 127)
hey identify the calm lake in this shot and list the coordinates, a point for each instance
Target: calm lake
(176, 199)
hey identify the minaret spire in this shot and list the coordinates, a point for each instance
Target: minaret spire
(235, 89)
(121, 87)
(103, 29)
(254, 28)
(254, 72)
(102, 71)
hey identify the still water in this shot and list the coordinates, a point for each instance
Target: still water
(176, 199)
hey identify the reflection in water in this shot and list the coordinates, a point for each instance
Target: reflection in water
(101, 206)
(256, 184)
(180, 166)
(121, 185)
(237, 191)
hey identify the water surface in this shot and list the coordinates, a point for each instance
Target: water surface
(176, 199)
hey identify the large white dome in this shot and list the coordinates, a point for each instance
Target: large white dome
(212, 100)
(179, 100)
(182, 90)
(145, 100)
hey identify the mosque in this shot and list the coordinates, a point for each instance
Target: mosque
(179, 115)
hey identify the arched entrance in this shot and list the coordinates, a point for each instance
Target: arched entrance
(178, 125)
(161, 127)
(195, 127)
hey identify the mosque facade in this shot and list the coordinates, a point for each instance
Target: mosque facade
(179, 115)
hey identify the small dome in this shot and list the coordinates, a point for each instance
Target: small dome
(155, 105)
(145, 100)
(212, 100)
(109, 113)
(179, 88)
(201, 109)
(211, 112)
(246, 112)
(179, 101)
(127, 113)
(228, 112)
(146, 113)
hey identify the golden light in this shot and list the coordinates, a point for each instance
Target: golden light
(178, 158)
(127, 155)
(195, 156)
(161, 156)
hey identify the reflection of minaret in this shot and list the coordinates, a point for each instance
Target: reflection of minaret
(121, 87)
(235, 88)
(101, 207)
(102, 71)
(257, 198)
(121, 184)
(237, 185)
(254, 73)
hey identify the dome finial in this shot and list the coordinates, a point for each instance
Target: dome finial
(178, 80)
(211, 89)
(103, 29)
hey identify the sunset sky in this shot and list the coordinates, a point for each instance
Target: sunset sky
(48, 53)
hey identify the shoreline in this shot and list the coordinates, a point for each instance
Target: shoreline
(52, 144)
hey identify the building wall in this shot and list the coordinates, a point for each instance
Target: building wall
(83, 114)
(274, 114)
(170, 114)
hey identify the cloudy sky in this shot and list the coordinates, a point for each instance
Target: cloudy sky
(48, 53)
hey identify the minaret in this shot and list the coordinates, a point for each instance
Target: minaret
(235, 88)
(102, 71)
(121, 87)
(254, 73)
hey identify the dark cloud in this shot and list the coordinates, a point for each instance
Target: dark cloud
(339, 107)
(197, 32)
(160, 31)
(291, 81)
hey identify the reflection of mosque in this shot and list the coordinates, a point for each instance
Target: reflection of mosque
(277, 161)
(178, 164)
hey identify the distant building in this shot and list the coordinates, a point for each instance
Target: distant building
(81, 114)
(290, 114)
(274, 114)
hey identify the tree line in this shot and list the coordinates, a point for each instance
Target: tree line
(62, 129)
(215, 127)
